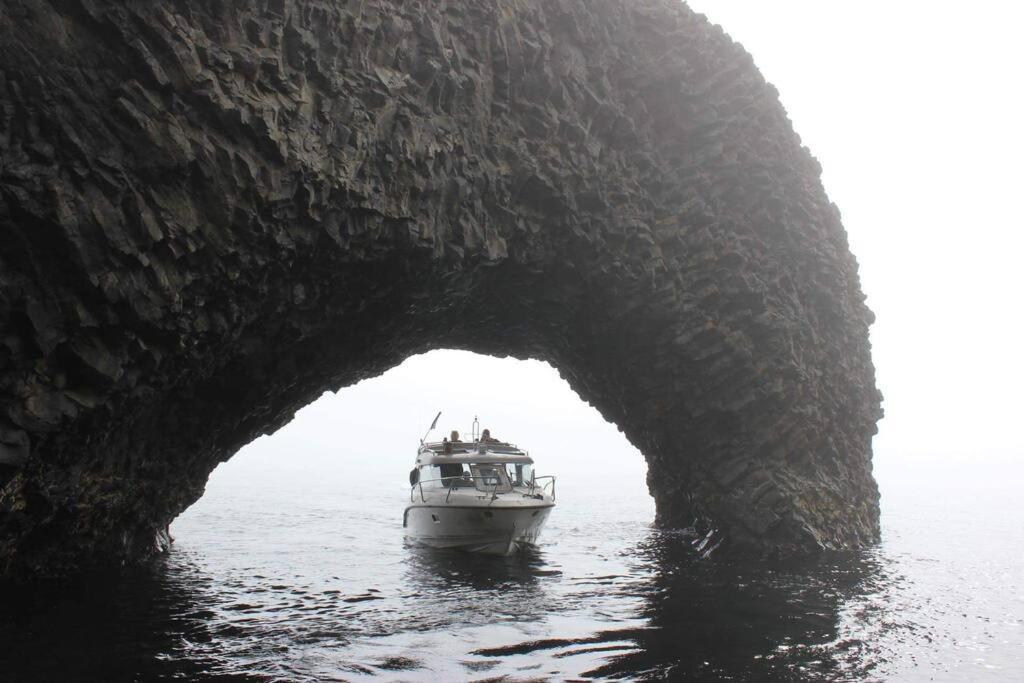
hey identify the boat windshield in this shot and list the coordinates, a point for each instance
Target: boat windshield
(491, 478)
(482, 476)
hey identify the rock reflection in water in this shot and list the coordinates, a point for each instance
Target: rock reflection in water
(724, 620)
(146, 623)
(268, 584)
(662, 613)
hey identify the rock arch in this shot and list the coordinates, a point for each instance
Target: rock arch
(210, 212)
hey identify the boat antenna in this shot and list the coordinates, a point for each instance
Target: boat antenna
(432, 425)
(476, 429)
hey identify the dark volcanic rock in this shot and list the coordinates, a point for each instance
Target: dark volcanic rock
(212, 211)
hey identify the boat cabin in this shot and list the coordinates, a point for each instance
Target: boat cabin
(491, 467)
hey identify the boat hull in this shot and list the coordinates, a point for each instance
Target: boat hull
(480, 529)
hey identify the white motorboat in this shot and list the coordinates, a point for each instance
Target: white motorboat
(480, 495)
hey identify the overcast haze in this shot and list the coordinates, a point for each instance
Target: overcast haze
(914, 111)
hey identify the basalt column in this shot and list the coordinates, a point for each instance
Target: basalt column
(211, 212)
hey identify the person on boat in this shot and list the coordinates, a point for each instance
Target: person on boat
(485, 437)
(455, 436)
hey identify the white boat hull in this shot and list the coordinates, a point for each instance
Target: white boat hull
(495, 529)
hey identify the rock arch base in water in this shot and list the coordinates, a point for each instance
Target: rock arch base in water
(211, 212)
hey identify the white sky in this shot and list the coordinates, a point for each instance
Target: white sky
(915, 111)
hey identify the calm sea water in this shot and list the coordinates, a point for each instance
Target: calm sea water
(277, 575)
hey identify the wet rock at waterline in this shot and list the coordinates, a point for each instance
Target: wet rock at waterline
(212, 212)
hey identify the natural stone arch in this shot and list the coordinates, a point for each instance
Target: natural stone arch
(213, 211)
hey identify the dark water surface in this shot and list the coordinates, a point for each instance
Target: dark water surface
(297, 578)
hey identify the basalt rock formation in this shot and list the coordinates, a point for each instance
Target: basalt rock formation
(211, 211)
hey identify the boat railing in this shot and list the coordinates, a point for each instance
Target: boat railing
(544, 488)
(447, 481)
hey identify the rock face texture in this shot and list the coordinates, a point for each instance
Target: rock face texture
(211, 211)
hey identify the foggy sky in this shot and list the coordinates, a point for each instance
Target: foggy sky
(915, 111)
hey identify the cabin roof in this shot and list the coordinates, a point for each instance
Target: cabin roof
(467, 452)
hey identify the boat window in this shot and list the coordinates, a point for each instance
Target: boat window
(520, 474)
(430, 475)
(456, 475)
(491, 478)
(438, 476)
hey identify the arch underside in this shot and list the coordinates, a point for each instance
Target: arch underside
(214, 212)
